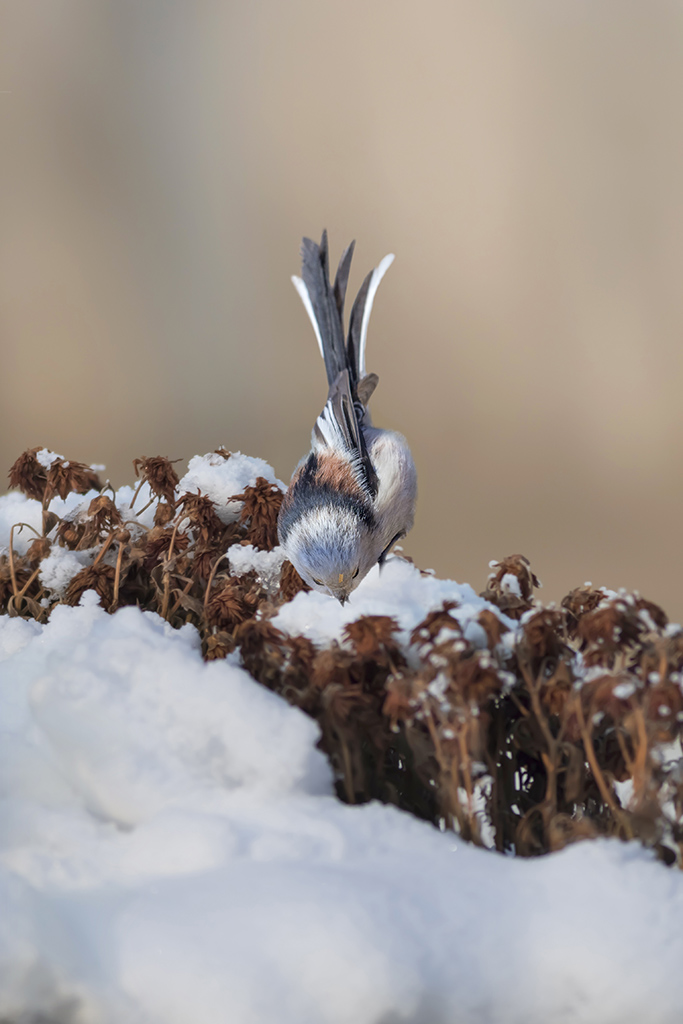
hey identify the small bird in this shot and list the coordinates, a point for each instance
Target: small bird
(353, 496)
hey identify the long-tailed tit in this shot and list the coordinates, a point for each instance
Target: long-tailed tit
(353, 496)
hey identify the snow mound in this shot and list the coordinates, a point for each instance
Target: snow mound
(170, 852)
(398, 589)
(222, 478)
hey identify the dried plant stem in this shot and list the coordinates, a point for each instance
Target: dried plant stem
(636, 766)
(186, 589)
(117, 576)
(103, 550)
(550, 755)
(209, 582)
(598, 775)
(145, 507)
(12, 568)
(348, 770)
(28, 583)
(137, 491)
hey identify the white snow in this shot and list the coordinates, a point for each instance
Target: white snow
(221, 479)
(510, 584)
(60, 567)
(46, 458)
(397, 589)
(267, 564)
(172, 852)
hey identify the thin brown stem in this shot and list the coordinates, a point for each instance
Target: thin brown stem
(209, 583)
(117, 576)
(137, 491)
(598, 774)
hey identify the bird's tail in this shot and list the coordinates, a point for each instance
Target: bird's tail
(324, 304)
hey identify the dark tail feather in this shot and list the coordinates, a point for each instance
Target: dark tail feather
(326, 301)
(342, 279)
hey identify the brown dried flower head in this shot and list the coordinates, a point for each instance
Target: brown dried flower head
(229, 604)
(204, 522)
(611, 627)
(99, 578)
(157, 545)
(290, 582)
(38, 550)
(400, 703)
(372, 636)
(163, 513)
(511, 584)
(64, 476)
(580, 602)
(218, 645)
(262, 647)
(474, 678)
(104, 513)
(29, 475)
(543, 633)
(159, 473)
(260, 508)
(431, 626)
(493, 626)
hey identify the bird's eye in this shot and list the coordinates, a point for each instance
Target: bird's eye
(356, 573)
(319, 582)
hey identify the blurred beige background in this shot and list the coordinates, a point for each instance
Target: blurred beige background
(523, 159)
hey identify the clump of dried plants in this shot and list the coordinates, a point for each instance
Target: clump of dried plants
(544, 726)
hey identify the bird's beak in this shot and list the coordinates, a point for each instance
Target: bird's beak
(342, 598)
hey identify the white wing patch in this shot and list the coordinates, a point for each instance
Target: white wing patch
(308, 306)
(377, 275)
(327, 433)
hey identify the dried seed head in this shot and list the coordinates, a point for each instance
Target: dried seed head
(510, 586)
(204, 523)
(333, 665)
(218, 645)
(157, 544)
(492, 626)
(263, 650)
(611, 627)
(163, 514)
(29, 475)
(38, 550)
(203, 561)
(579, 602)
(159, 473)
(290, 582)
(400, 703)
(99, 578)
(104, 513)
(229, 604)
(430, 627)
(64, 476)
(260, 508)
(543, 632)
(372, 635)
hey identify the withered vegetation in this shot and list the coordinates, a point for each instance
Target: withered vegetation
(534, 727)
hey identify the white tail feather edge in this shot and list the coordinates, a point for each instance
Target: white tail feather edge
(308, 306)
(377, 275)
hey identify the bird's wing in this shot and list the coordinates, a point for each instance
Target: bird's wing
(338, 429)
